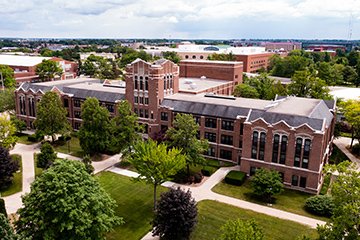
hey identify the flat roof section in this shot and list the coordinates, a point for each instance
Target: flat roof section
(16, 60)
(197, 85)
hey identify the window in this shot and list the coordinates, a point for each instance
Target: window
(146, 84)
(194, 57)
(226, 139)
(136, 111)
(136, 99)
(254, 145)
(77, 103)
(262, 146)
(31, 107)
(22, 105)
(146, 101)
(198, 120)
(303, 182)
(66, 102)
(210, 122)
(211, 152)
(186, 56)
(241, 128)
(136, 84)
(164, 116)
(306, 153)
(110, 107)
(164, 83)
(284, 140)
(141, 100)
(275, 148)
(141, 85)
(141, 112)
(171, 83)
(77, 125)
(146, 113)
(77, 114)
(226, 154)
(227, 125)
(295, 180)
(297, 152)
(201, 57)
(211, 137)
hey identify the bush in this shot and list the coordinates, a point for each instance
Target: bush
(356, 149)
(2, 207)
(235, 178)
(198, 177)
(208, 170)
(321, 205)
(326, 184)
(35, 137)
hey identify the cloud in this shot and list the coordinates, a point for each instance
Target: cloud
(178, 18)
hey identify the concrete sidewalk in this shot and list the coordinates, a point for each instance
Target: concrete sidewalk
(342, 143)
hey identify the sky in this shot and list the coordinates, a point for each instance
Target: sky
(184, 19)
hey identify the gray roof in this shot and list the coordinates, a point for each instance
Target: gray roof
(99, 94)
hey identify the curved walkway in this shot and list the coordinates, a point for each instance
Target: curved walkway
(342, 143)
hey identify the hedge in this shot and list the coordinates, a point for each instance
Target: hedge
(235, 178)
(321, 205)
(208, 170)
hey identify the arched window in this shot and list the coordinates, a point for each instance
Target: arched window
(298, 147)
(262, 146)
(275, 154)
(284, 140)
(302, 152)
(22, 105)
(254, 144)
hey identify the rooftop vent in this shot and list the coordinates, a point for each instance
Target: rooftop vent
(203, 77)
(213, 95)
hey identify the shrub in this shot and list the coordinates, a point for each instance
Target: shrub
(32, 138)
(198, 177)
(326, 184)
(321, 205)
(356, 149)
(235, 178)
(266, 183)
(2, 207)
(46, 157)
(208, 170)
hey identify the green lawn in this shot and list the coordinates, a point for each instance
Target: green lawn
(38, 171)
(212, 215)
(135, 204)
(16, 185)
(75, 149)
(289, 200)
(23, 138)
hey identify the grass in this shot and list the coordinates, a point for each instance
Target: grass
(23, 138)
(75, 149)
(135, 205)
(38, 171)
(212, 215)
(337, 156)
(289, 200)
(16, 185)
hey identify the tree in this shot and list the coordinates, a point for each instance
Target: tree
(48, 70)
(175, 216)
(246, 91)
(6, 231)
(20, 125)
(7, 100)
(7, 131)
(8, 76)
(87, 161)
(265, 86)
(350, 75)
(241, 230)
(345, 221)
(124, 129)
(2, 207)
(88, 68)
(286, 67)
(305, 84)
(222, 57)
(172, 56)
(183, 136)
(51, 116)
(8, 167)
(266, 183)
(155, 163)
(65, 202)
(351, 111)
(353, 58)
(94, 134)
(46, 157)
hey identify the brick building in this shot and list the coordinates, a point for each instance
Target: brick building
(25, 67)
(292, 135)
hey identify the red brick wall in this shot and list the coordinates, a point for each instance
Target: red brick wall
(254, 62)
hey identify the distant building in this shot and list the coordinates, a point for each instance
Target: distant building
(289, 134)
(84, 56)
(25, 67)
(281, 46)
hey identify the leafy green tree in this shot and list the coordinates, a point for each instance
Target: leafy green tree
(264, 85)
(306, 84)
(8, 76)
(19, 124)
(175, 216)
(340, 52)
(94, 134)
(7, 100)
(326, 72)
(46, 157)
(88, 68)
(246, 91)
(172, 56)
(286, 67)
(345, 220)
(6, 231)
(7, 131)
(48, 70)
(357, 80)
(2, 207)
(183, 136)
(51, 116)
(124, 129)
(350, 75)
(87, 161)
(351, 111)
(353, 58)
(155, 163)
(8, 167)
(65, 202)
(266, 183)
(222, 57)
(241, 230)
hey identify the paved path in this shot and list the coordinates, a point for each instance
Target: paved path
(203, 192)
(342, 143)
